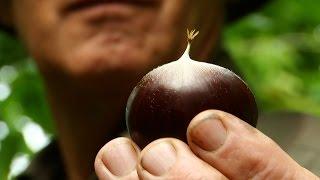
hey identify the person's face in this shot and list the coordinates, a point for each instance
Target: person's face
(83, 37)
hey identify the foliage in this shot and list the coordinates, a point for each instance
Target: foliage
(22, 101)
(277, 50)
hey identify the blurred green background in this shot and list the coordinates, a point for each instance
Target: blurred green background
(277, 50)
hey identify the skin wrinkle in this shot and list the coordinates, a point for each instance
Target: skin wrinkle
(272, 170)
(256, 170)
(275, 170)
(235, 153)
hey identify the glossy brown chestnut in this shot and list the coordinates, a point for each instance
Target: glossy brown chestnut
(166, 99)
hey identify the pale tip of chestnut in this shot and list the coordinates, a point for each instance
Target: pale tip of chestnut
(170, 96)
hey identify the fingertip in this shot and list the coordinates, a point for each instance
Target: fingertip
(170, 158)
(210, 114)
(207, 130)
(241, 151)
(230, 122)
(118, 158)
(158, 157)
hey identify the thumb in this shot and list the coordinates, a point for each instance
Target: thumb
(238, 150)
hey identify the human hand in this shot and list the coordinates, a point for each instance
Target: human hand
(220, 146)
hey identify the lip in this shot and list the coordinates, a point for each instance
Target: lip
(94, 8)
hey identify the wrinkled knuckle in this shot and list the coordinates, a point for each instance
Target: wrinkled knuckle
(258, 170)
(272, 171)
(193, 176)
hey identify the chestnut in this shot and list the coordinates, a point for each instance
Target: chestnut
(166, 99)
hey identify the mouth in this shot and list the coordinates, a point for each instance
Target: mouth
(105, 5)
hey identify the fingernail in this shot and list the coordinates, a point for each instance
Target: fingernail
(159, 158)
(120, 159)
(209, 134)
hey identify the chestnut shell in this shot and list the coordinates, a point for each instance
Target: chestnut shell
(158, 107)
